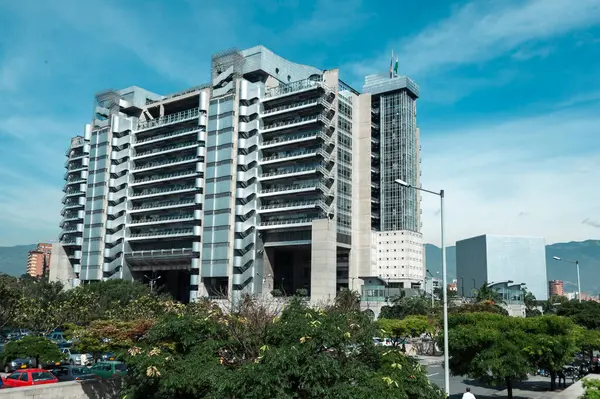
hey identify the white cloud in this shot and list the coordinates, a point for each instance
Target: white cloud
(483, 30)
(532, 176)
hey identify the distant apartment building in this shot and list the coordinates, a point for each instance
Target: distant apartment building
(274, 175)
(494, 259)
(38, 260)
(556, 288)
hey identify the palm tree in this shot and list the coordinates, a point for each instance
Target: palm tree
(487, 294)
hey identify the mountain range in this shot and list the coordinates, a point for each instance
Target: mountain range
(13, 260)
(586, 252)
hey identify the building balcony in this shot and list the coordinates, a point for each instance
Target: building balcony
(297, 122)
(291, 206)
(286, 223)
(293, 88)
(296, 138)
(162, 220)
(178, 117)
(292, 189)
(167, 136)
(293, 107)
(166, 150)
(71, 241)
(149, 207)
(72, 193)
(289, 156)
(167, 163)
(165, 177)
(164, 191)
(170, 233)
(291, 172)
(75, 180)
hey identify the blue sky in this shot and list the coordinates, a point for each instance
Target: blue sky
(509, 108)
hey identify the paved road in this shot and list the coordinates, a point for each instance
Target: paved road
(481, 391)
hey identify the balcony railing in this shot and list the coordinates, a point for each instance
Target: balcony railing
(286, 222)
(282, 124)
(164, 190)
(167, 176)
(288, 171)
(291, 154)
(181, 132)
(163, 149)
(299, 136)
(293, 87)
(182, 217)
(167, 162)
(292, 205)
(161, 233)
(154, 253)
(288, 188)
(315, 101)
(161, 204)
(167, 119)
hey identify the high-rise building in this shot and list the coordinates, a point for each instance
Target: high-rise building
(556, 288)
(274, 176)
(38, 260)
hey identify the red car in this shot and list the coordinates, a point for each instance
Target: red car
(28, 377)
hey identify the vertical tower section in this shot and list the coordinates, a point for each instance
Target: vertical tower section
(73, 212)
(165, 189)
(397, 241)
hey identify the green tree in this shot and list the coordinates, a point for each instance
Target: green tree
(197, 351)
(585, 313)
(347, 301)
(553, 303)
(592, 389)
(530, 302)
(553, 343)
(404, 306)
(485, 306)
(489, 347)
(11, 293)
(41, 349)
(409, 327)
(487, 294)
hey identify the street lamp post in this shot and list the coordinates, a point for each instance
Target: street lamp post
(432, 304)
(576, 263)
(444, 281)
(152, 282)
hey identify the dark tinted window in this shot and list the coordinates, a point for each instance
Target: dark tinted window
(80, 371)
(42, 376)
(63, 371)
(14, 376)
(121, 367)
(25, 377)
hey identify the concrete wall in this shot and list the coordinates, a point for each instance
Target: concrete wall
(471, 263)
(323, 261)
(60, 266)
(108, 389)
(360, 256)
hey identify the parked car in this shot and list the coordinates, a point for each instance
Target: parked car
(106, 357)
(76, 358)
(109, 369)
(58, 338)
(28, 377)
(17, 364)
(73, 373)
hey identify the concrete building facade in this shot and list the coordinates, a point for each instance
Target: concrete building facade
(38, 260)
(490, 259)
(267, 178)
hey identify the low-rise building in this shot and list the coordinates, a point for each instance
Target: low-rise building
(38, 260)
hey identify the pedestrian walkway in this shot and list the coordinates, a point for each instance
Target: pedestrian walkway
(574, 391)
(429, 360)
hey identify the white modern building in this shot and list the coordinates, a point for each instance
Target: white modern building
(493, 259)
(273, 176)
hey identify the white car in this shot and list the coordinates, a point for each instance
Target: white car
(76, 358)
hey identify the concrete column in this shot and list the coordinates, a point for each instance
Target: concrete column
(323, 261)
(360, 255)
(267, 281)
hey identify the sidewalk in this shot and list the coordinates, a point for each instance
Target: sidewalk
(574, 391)
(429, 360)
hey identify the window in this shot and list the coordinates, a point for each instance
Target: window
(25, 377)
(14, 376)
(42, 376)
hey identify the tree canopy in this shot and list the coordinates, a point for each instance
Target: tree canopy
(39, 348)
(584, 313)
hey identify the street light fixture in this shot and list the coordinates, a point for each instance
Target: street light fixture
(444, 281)
(576, 263)
(152, 282)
